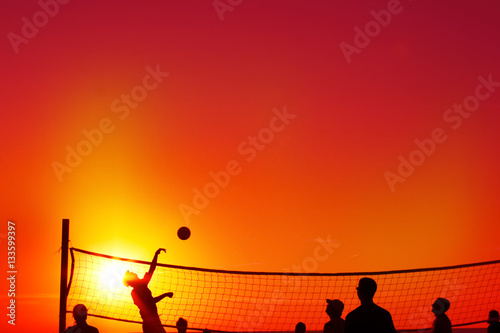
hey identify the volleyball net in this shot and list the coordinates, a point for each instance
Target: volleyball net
(234, 301)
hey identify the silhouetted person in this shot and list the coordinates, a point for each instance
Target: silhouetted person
(181, 325)
(334, 311)
(144, 299)
(493, 320)
(300, 327)
(442, 323)
(81, 326)
(368, 317)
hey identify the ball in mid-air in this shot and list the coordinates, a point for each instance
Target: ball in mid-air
(183, 233)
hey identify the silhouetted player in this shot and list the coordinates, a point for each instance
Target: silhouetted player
(80, 315)
(368, 317)
(493, 320)
(442, 323)
(181, 325)
(144, 299)
(300, 327)
(334, 311)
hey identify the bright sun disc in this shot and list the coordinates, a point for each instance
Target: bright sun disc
(112, 276)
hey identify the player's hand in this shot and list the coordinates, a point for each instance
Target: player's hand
(160, 250)
(170, 294)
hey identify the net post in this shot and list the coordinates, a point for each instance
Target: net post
(63, 293)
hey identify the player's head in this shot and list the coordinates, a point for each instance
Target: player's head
(300, 327)
(493, 316)
(440, 306)
(129, 279)
(181, 325)
(366, 289)
(80, 313)
(334, 308)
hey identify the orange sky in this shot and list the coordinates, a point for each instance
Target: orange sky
(313, 132)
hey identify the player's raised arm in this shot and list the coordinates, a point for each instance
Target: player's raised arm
(152, 268)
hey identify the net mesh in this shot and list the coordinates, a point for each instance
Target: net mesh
(250, 301)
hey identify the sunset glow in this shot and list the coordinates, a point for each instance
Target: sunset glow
(289, 136)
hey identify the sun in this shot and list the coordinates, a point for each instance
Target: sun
(111, 276)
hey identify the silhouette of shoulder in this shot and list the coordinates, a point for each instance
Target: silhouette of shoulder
(442, 324)
(494, 327)
(335, 325)
(80, 329)
(369, 318)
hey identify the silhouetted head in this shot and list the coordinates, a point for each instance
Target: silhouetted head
(493, 316)
(129, 279)
(181, 325)
(300, 327)
(334, 308)
(80, 313)
(440, 306)
(366, 289)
